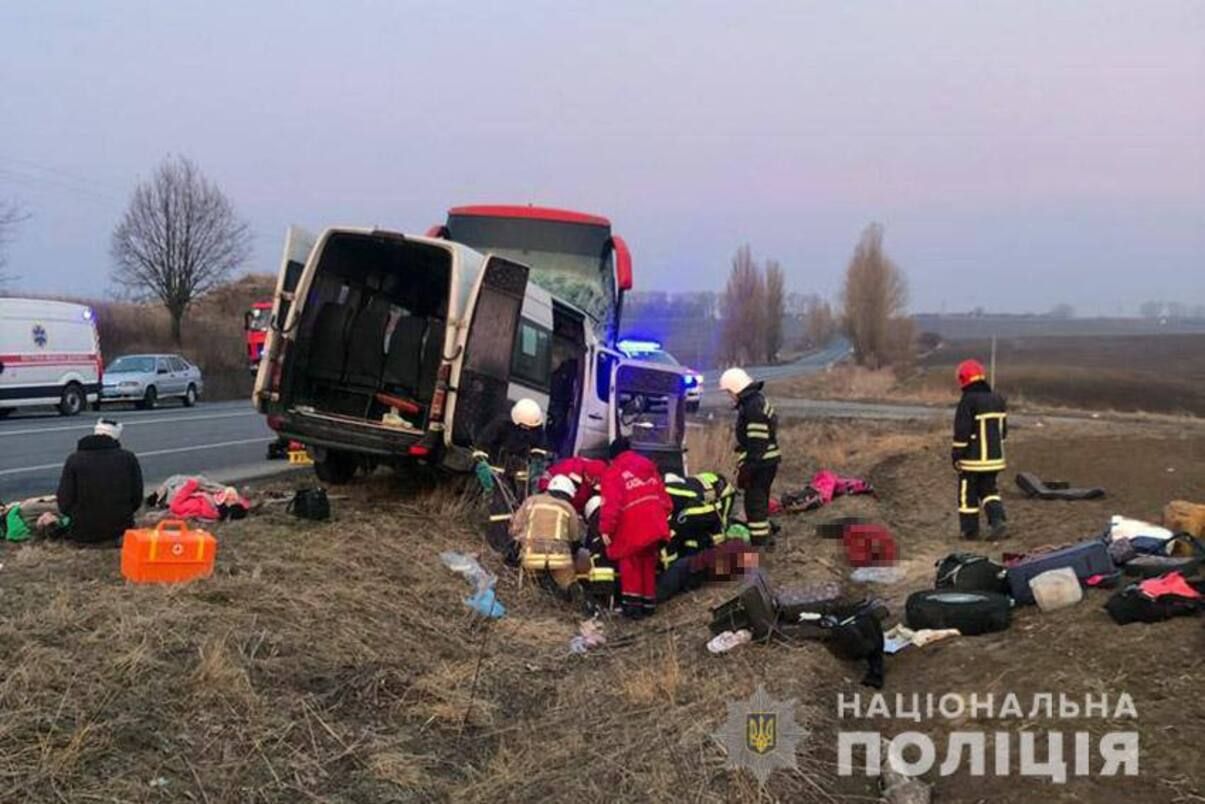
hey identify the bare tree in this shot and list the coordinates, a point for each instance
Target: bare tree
(875, 293)
(11, 214)
(743, 338)
(776, 303)
(179, 238)
(821, 324)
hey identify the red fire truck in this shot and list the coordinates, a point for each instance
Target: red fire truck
(255, 329)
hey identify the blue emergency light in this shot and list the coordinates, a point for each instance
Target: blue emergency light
(636, 347)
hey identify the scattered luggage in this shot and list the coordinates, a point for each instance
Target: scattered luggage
(170, 552)
(1056, 589)
(1185, 517)
(968, 572)
(824, 487)
(972, 613)
(1085, 559)
(1154, 566)
(311, 504)
(1145, 536)
(1157, 599)
(1035, 487)
(857, 634)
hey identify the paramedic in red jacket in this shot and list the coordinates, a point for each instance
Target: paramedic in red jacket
(586, 473)
(634, 523)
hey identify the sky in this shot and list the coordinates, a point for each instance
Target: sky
(1019, 154)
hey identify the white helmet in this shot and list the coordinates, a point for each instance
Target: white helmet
(527, 413)
(670, 477)
(563, 484)
(735, 380)
(592, 506)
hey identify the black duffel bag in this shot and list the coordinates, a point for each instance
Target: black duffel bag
(311, 503)
(968, 572)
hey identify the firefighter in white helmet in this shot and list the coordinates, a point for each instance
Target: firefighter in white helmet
(510, 452)
(757, 449)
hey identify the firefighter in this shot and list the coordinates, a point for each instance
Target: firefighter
(757, 449)
(980, 428)
(634, 523)
(546, 528)
(505, 453)
(595, 572)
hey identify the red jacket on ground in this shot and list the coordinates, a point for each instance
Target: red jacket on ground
(585, 472)
(635, 506)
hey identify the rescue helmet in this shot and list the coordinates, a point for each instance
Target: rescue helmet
(562, 484)
(670, 477)
(735, 380)
(970, 371)
(592, 506)
(527, 413)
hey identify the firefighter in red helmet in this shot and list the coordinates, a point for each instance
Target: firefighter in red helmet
(980, 428)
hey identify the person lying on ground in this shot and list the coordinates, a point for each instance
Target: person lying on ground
(101, 487)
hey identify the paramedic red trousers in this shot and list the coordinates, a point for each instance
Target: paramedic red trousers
(638, 581)
(977, 491)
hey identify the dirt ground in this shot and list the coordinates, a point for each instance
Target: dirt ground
(336, 662)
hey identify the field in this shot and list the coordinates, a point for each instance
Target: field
(1151, 373)
(336, 663)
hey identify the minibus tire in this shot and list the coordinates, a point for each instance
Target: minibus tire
(336, 469)
(73, 401)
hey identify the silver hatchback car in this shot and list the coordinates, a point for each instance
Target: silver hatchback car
(147, 379)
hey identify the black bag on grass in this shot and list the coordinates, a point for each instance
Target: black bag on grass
(857, 634)
(967, 572)
(1130, 605)
(753, 608)
(311, 503)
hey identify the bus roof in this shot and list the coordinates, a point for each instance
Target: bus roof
(536, 213)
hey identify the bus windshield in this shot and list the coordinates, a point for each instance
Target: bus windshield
(572, 261)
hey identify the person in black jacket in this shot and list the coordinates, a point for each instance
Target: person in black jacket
(101, 487)
(980, 427)
(757, 449)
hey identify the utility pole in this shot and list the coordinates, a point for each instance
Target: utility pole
(993, 370)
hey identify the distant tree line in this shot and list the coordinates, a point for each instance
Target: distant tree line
(1172, 310)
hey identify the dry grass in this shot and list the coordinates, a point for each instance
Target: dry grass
(335, 662)
(857, 383)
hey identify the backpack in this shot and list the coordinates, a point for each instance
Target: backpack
(310, 503)
(967, 572)
(1132, 605)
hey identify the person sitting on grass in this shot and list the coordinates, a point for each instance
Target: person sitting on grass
(101, 487)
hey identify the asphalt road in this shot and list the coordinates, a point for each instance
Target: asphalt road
(808, 364)
(223, 440)
(227, 440)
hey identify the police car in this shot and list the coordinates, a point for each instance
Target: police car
(651, 352)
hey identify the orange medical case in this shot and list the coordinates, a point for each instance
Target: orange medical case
(168, 553)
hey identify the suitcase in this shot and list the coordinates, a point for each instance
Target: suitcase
(1086, 559)
(170, 552)
(754, 609)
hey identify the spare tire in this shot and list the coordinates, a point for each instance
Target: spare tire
(971, 613)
